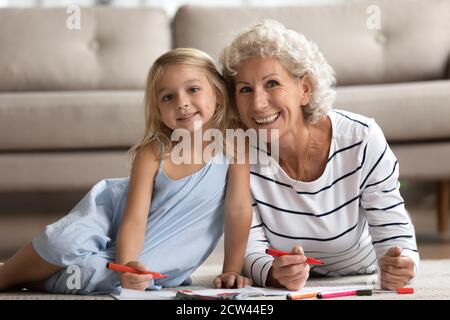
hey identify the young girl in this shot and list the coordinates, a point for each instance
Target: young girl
(166, 217)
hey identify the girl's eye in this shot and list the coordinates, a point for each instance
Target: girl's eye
(194, 89)
(271, 84)
(167, 97)
(245, 90)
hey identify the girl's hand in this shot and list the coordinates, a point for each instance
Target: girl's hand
(395, 270)
(135, 281)
(290, 271)
(232, 280)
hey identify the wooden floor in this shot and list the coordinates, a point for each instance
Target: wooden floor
(19, 226)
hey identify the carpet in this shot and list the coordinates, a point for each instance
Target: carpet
(431, 283)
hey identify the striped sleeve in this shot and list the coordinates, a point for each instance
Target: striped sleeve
(389, 222)
(257, 263)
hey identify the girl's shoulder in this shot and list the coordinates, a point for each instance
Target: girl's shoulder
(148, 152)
(146, 160)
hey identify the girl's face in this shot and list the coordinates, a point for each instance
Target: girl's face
(268, 97)
(184, 95)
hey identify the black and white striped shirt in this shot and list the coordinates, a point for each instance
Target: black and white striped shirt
(348, 217)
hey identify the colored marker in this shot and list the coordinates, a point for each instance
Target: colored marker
(336, 294)
(365, 292)
(299, 296)
(279, 253)
(398, 291)
(122, 268)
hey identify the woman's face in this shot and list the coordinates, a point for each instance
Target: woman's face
(268, 97)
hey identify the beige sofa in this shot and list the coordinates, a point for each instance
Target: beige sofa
(71, 101)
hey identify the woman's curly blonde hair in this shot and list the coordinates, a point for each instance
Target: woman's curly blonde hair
(270, 39)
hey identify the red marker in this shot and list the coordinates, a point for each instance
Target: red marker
(278, 253)
(403, 290)
(121, 268)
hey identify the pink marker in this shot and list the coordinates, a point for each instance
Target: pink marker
(336, 294)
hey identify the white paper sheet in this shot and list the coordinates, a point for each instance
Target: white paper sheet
(167, 294)
(129, 294)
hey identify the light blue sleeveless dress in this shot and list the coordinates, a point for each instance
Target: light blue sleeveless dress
(185, 223)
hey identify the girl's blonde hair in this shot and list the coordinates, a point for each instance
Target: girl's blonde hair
(155, 129)
(270, 39)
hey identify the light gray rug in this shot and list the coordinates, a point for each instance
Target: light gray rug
(432, 283)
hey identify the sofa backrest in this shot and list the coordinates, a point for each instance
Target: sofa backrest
(113, 49)
(412, 43)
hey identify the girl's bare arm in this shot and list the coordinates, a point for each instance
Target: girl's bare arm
(238, 217)
(134, 223)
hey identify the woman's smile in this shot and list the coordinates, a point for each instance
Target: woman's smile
(267, 120)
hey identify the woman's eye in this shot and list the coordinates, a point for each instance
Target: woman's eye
(245, 90)
(271, 83)
(167, 97)
(194, 89)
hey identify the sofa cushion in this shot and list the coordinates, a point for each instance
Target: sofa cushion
(60, 170)
(423, 161)
(113, 49)
(417, 111)
(411, 45)
(70, 120)
(114, 119)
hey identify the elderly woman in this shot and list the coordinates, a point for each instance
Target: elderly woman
(335, 194)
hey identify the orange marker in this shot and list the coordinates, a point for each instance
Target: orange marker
(299, 296)
(121, 268)
(278, 253)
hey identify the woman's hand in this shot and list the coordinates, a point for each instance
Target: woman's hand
(135, 281)
(290, 271)
(395, 270)
(232, 280)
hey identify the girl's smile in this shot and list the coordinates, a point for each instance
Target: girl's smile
(188, 116)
